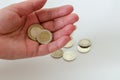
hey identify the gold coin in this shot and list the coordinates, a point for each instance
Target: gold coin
(38, 25)
(84, 43)
(57, 54)
(83, 50)
(69, 44)
(69, 56)
(44, 37)
(34, 30)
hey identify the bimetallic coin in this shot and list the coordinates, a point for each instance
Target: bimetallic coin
(83, 50)
(84, 43)
(69, 56)
(69, 44)
(57, 54)
(44, 37)
(34, 30)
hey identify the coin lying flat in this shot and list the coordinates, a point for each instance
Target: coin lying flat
(44, 37)
(69, 56)
(57, 54)
(69, 44)
(38, 25)
(34, 30)
(83, 50)
(84, 43)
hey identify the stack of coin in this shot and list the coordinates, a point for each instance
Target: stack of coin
(84, 46)
(37, 33)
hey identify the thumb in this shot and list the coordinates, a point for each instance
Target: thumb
(27, 7)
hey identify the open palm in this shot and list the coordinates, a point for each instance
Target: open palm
(16, 19)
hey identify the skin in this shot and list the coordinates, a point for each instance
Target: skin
(16, 19)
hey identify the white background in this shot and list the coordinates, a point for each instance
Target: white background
(100, 22)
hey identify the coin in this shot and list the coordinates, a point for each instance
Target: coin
(84, 43)
(83, 50)
(44, 37)
(34, 30)
(38, 25)
(69, 56)
(57, 54)
(69, 44)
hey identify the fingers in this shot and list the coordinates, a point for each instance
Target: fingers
(61, 22)
(48, 48)
(27, 7)
(61, 37)
(49, 14)
(66, 31)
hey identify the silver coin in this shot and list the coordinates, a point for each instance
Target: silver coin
(57, 54)
(84, 43)
(69, 56)
(83, 50)
(34, 30)
(44, 37)
(69, 44)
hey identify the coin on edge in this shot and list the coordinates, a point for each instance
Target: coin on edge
(44, 37)
(69, 44)
(34, 30)
(83, 50)
(57, 54)
(69, 56)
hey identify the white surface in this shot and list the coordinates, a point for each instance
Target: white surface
(100, 22)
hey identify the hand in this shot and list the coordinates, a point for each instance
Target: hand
(16, 19)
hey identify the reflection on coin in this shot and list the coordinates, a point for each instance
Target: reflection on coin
(34, 30)
(69, 56)
(83, 50)
(84, 43)
(44, 37)
(69, 44)
(57, 54)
